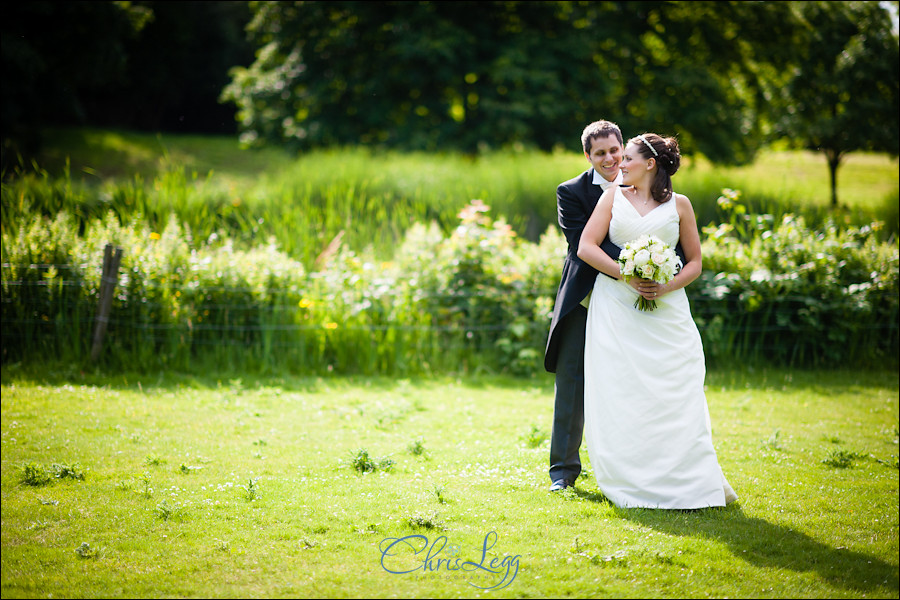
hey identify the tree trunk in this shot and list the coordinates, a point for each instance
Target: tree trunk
(834, 161)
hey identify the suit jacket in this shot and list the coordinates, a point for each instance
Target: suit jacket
(575, 201)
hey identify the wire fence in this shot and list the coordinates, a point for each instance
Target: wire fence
(59, 315)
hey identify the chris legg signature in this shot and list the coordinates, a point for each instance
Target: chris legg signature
(401, 556)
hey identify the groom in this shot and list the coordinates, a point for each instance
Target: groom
(575, 201)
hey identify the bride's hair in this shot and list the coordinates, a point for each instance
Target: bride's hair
(668, 158)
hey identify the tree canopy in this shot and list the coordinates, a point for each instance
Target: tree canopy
(473, 75)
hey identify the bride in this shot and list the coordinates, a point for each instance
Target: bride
(647, 424)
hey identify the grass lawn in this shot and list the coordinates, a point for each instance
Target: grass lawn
(237, 487)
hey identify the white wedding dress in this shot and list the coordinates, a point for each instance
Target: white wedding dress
(647, 424)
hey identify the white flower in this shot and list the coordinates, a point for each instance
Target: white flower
(667, 271)
(641, 257)
(650, 258)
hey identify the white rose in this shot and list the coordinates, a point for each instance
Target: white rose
(641, 258)
(628, 268)
(646, 271)
(658, 258)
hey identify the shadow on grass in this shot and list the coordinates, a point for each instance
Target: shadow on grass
(761, 543)
(767, 545)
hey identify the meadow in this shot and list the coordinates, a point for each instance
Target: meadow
(129, 485)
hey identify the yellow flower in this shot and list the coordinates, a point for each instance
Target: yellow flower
(305, 303)
(330, 325)
(154, 235)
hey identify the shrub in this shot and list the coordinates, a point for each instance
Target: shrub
(478, 299)
(793, 295)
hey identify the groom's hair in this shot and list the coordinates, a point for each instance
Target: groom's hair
(599, 129)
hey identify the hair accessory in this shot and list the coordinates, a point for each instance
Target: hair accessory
(649, 145)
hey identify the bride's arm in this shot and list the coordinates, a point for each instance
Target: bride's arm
(690, 242)
(594, 233)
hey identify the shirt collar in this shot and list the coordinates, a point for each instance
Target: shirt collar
(598, 179)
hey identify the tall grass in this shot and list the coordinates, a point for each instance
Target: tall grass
(305, 202)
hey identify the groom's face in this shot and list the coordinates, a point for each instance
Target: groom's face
(605, 156)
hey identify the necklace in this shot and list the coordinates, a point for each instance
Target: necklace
(635, 192)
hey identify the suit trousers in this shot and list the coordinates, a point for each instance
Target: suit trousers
(568, 412)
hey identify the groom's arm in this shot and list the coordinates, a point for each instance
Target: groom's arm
(571, 214)
(680, 252)
(610, 248)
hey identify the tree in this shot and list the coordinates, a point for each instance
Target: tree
(844, 93)
(422, 75)
(471, 75)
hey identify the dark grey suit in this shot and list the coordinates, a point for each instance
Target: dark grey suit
(575, 201)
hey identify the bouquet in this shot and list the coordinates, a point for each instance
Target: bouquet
(648, 257)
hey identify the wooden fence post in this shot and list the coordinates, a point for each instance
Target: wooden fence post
(108, 282)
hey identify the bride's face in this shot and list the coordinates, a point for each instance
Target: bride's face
(634, 165)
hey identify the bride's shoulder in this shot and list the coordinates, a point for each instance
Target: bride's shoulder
(684, 209)
(682, 201)
(610, 194)
(618, 191)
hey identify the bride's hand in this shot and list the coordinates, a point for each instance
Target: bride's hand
(647, 288)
